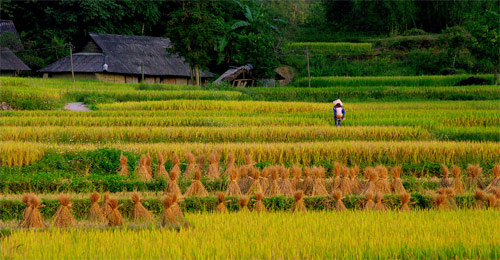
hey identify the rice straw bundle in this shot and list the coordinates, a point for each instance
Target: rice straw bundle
(440, 202)
(457, 184)
(264, 180)
(63, 217)
(337, 180)
(34, 218)
(148, 165)
(307, 185)
(370, 186)
(123, 166)
(495, 183)
(176, 209)
(176, 162)
(173, 187)
(382, 185)
(299, 206)
(318, 188)
(213, 168)
(221, 206)
(274, 188)
(26, 198)
(355, 184)
(139, 212)
(233, 188)
(296, 173)
(397, 184)
(345, 185)
(142, 171)
(115, 218)
(161, 172)
(285, 185)
(200, 161)
(95, 212)
(168, 217)
(196, 188)
(256, 187)
(405, 200)
(473, 181)
(369, 204)
(379, 205)
(243, 202)
(244, 180)
(479, 196)
(259, 206)
(190, 168)
(339, 205)
(445, 180)
(230, 164)
(491, 201)
(106, 208)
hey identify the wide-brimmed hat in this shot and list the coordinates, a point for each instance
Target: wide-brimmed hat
(337, 102)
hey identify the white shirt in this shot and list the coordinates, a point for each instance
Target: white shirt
(338, 110)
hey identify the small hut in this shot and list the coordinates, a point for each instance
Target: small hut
(243, 77)
(125, 59)
(10, 64)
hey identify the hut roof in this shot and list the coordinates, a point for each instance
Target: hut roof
(9, 61)
(7, 26)
(10, 38)
(124, 54)
(233, 72)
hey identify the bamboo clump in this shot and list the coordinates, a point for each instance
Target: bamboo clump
(63, 217)
(196, 188)
(139, 212)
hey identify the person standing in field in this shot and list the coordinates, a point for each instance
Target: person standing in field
(338, 112)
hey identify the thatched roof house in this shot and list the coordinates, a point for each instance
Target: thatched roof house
(123, 58)
(242, 77)
(10, 64)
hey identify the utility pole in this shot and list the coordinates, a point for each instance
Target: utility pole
(308, 70)
(71, 60)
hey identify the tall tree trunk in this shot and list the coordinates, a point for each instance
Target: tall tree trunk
(496, 76)
(191, 75)
(197, 73)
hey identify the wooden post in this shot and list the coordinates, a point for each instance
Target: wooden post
(71, 60)
(142, 72)
(308, 70)
(197, 73)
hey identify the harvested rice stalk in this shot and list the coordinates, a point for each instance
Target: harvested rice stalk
(379, 205)
(336, 180)
(318, 188)
(370, 186)
(63, 217)
(264, 179)
(299, 206)
(473, 181)
(457, 184)
(176, 162)
(256, 187)
(233, 188)
(307, 185)
(440, 202)
(244, 180)
(148, 165)
(106, 208)
(449, 195)
(405, 200)
(491, 201)
(173, 187)
(495, 183)
(397, 184)
(445, 180)
(274, 188)
(285, 185)
(34, 219)
(176, 209)
(27, 203)
(200, 161)
(196, 188)
(161, 172)
(339, 205)
(139, 213)
(369, 204)
(355, 184)
(123, 166)
(115, 218)
(243, 202)
(382, 185)
(480, 197)
(190, 168)
(143, 171)
(221, 207)
(213, 169)
(168, 217)
(345, 185)
(95, 212)
(296, 174)
(259, 206)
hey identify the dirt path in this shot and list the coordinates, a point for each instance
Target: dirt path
(78, 106)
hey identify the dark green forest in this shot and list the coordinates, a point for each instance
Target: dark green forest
(461, 35)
